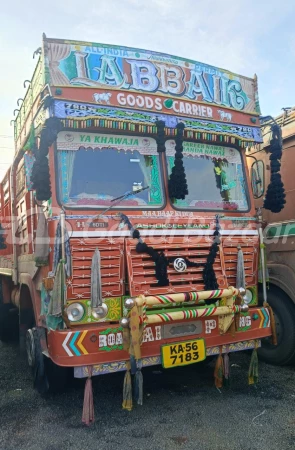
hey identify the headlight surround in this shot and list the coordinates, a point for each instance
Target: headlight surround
(75, 312)
(248, 297)
(100, 312)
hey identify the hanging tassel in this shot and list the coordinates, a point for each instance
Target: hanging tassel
(127, 389)
(274, 339)
(88, 407)
(219, 371)
(260, 268)
(138, 384)
(226, 368)
(240, 282)
(253, 369)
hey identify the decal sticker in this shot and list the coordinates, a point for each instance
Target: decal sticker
(209, 326)
(111, 339)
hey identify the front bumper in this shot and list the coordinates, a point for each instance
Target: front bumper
(103, 344)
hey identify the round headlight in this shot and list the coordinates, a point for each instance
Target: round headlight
(75, 312)
(248, 297)
(100, 311)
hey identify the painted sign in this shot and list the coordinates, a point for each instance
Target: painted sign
(156, 103)
(67, 140)
(197, 149)
(135, 70)
(70, 110)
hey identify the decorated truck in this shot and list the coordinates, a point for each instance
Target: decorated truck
(129, 235)
(271, 164)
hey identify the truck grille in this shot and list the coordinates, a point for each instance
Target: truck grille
(249, 246)
(112, 266)
(141, 268)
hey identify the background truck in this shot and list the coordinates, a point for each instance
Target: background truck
(279, 228)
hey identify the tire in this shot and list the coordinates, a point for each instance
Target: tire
(9, 322)
(284, 312)
(48, 377)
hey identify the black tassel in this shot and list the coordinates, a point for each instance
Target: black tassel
(275, 194)
(160, 260)
(177, 183)
(160, 136)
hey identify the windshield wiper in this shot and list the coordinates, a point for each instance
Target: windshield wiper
(116, 201)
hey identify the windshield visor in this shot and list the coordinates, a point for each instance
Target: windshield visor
(109, 166)
(215, 177)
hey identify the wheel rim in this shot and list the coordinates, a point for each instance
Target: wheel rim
(30, 348)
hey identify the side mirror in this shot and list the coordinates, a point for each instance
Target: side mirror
(257, 178)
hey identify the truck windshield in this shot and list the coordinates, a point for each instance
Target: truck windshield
(92, 177)
(214, 175)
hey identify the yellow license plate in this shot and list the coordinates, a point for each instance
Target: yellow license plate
(183, 353)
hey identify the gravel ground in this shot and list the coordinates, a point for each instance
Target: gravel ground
(182, 409)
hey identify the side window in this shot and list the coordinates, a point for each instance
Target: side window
(257, 178)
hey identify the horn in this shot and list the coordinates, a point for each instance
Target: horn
(37, 52)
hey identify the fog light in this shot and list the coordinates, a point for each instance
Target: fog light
(100, 311)
(248, 297)
(75, 312)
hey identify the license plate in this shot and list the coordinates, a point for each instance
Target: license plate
(183, 353)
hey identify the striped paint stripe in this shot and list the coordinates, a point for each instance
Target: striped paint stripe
(65, 346)
(79, 343)
(72, 344)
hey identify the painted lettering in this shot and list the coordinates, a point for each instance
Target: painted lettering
(143, 75)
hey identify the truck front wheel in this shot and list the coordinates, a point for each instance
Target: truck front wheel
(284, 312)
(48, 377)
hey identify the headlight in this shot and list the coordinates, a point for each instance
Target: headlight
(75, 312)
(248, 297)
(100, 312)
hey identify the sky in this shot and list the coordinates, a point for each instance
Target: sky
(245, 37)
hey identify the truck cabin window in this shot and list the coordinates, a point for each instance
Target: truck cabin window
(215, 177)
(91, 177)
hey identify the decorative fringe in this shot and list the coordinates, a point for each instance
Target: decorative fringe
(88, 407)
(226, 369)
(138, 384)
(209, 276)
(177, 183)
(274, 338)
(275, 194)
(253, 369)
(240, 282)
(127, 389)
(219, 371)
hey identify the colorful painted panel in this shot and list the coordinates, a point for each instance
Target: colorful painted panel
(119, 366)
(114, 306)
(134, 70)
(68, 110)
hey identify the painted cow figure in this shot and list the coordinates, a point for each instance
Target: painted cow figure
(224, 115)
(104, 97)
